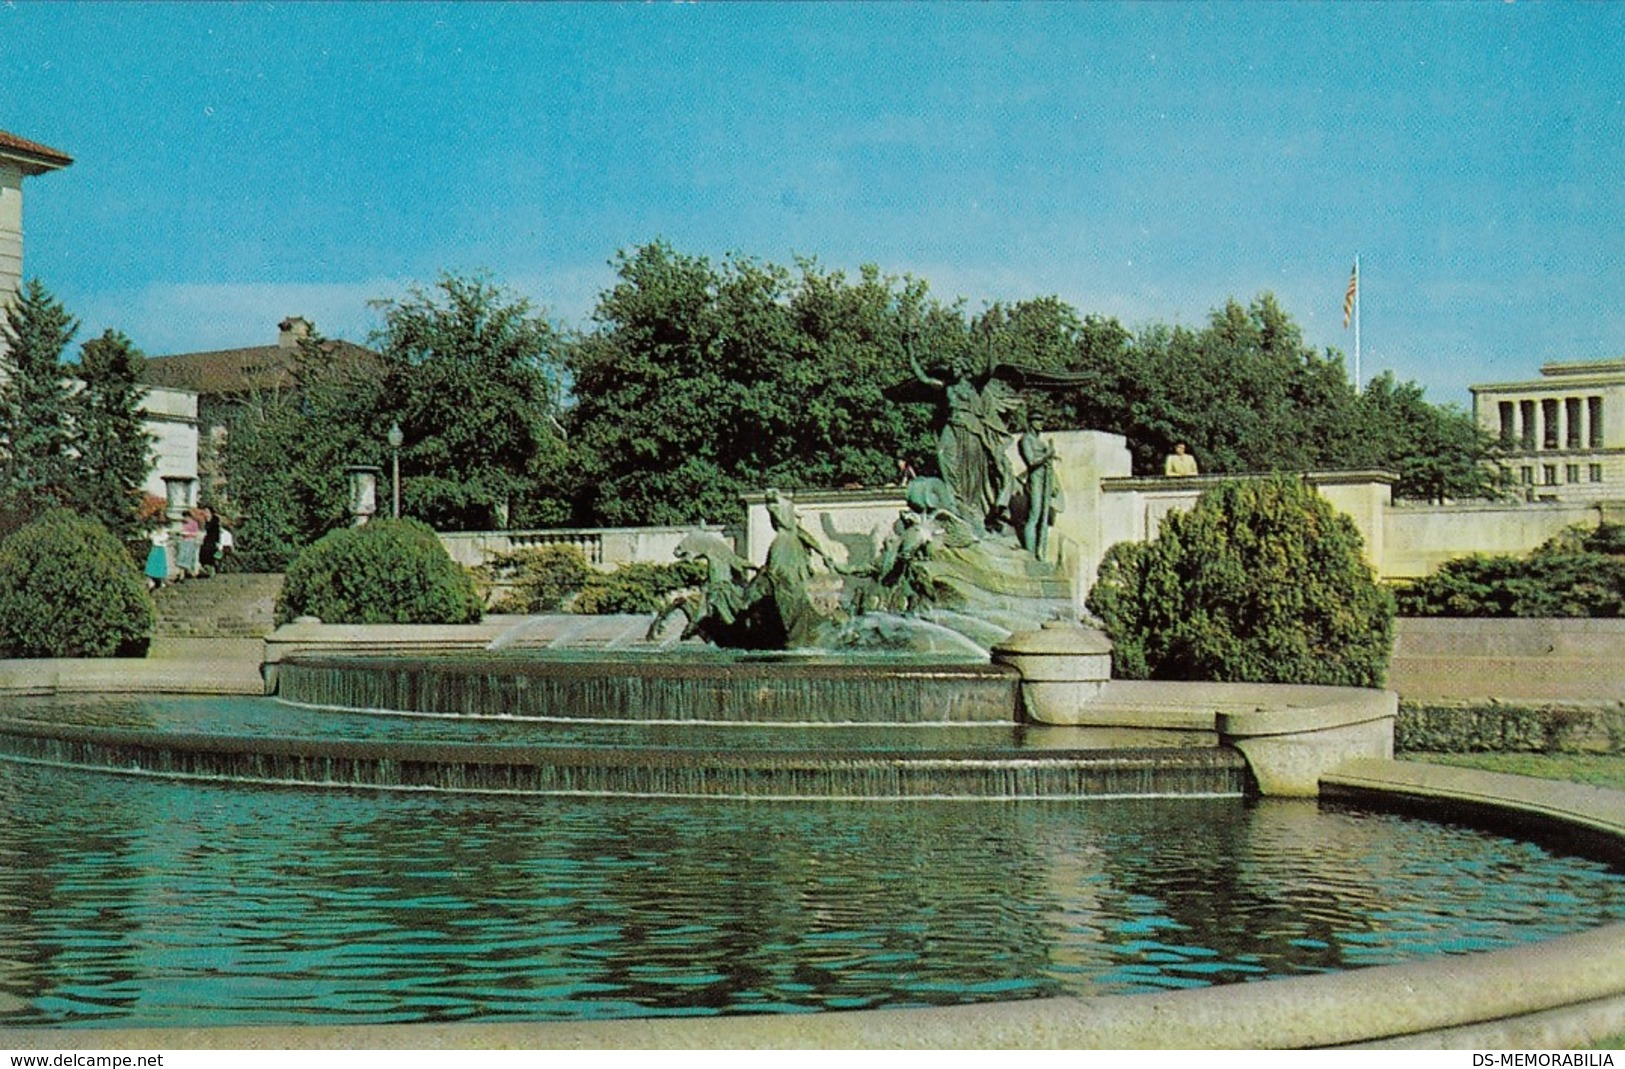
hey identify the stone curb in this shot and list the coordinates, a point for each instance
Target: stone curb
(119, 675)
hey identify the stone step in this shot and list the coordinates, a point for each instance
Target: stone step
(232, 605)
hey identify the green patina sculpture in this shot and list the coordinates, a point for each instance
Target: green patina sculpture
(973, 445)
(964, 548)
(744, 607)
(1043, 495)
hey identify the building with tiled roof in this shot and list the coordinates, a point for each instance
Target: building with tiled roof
(223, 379)
(19, 158)
(230, 374)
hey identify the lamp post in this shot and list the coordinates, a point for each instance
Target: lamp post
(395, 439)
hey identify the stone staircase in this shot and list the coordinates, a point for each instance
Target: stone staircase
(231, 605)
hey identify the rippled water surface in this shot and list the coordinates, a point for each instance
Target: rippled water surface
(136, 902)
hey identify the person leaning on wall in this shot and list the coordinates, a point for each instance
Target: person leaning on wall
(1179, 463)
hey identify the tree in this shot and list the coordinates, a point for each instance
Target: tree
(1260, 582)
(1245, 393)
(1248, 396)
(1437, 451)
(36, 441)
(702, 382)
(110, 437)
(286, 450)
(473, 377)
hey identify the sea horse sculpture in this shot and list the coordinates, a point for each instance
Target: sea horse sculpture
(714, 610)
(742, 607)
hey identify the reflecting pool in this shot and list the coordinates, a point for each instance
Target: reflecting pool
(128, 901)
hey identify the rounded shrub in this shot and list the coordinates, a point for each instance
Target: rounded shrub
(1262, 581)
(384, 572)
(68, 588)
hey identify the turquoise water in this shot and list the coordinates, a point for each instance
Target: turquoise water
(139, 902)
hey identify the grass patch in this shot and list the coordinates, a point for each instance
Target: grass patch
(1601, 770)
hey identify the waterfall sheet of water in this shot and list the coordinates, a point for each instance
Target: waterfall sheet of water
(981, 773)
(643, 688)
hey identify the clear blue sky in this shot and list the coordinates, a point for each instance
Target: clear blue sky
(238, 163)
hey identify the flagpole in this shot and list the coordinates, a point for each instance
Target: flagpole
(1359, 383)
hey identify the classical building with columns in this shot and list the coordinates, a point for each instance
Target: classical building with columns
(1563, 435)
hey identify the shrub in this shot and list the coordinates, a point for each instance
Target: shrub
(537, 580)
(69, 589)
(1262, 581)
(1580, 572)
(635, 588)
(383, 572)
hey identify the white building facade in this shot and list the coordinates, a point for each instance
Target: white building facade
(1563, 434)
(170, 414)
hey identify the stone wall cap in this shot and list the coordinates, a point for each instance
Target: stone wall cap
(1057, 638)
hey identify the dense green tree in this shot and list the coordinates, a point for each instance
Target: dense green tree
(36, 405)
(1262, 581)
(257, 495)
(1245, 393)
(286, 450)
(701, 382)
(473, 376)
(652, 404)
(110, 439)
(1437, 451)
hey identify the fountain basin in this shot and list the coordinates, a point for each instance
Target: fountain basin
(1559, 991)
(488, 915)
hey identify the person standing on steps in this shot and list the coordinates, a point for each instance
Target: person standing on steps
(157, 569)
(209, 551)
(186, 557)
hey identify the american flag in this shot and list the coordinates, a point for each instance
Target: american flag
(1350, 294)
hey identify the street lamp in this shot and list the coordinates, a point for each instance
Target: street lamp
(395, 439)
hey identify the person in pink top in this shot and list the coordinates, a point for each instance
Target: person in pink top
(186, 557)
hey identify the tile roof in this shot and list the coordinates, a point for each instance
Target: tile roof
(41, 156)
(233, 371)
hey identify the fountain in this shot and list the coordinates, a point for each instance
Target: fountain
(567, 822)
